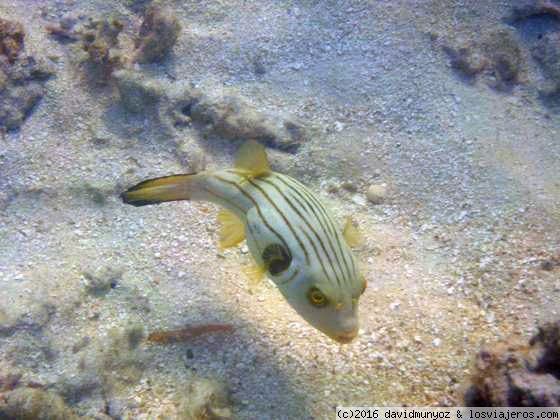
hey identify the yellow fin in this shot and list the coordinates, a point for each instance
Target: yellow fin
(352, 234)
(251, 156)
(255, 274)
(232, 230)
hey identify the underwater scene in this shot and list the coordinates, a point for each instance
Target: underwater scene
(234, 209)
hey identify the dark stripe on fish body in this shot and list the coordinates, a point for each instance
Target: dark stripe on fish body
(346, 257)
(246, 194)
(334, 229)
(301, 189)
(224, 199)
(270, 181)
(298, 239)
(322, 222)
(313, 203)
(250, 229)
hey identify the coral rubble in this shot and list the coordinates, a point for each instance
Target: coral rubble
(547, 53)
(102, 280)
(100, 41)
(528, 9)
(137, 93)
(503, 51)
(22, 77)
(205, 400)
(11, 39)
(34, 404)
(179, 105)
(514, 374)
(158, 34)
(228, 117)
(497, 57)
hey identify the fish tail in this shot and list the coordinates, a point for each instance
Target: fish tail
(159, 190)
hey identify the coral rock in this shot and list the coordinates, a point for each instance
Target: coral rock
(231, 118)
(101, 281)
(11, 39)
(34, 404)
(158, 34)
(498, 57)
(547, 54)
(137, 93)
(466, 60)
(22, 78)
(502, 48)
(517, 374)
(100, 41)
(206, 400)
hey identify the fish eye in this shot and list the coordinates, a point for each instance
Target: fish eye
(276, 258)
(316, 297)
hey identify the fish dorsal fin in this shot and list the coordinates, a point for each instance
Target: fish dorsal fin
(251, 156)
(232, 230)
(352, 234)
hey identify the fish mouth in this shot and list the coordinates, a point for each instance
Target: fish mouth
(346, 338)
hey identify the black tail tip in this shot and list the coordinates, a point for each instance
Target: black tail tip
(136, 203)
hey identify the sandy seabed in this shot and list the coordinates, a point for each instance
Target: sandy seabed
(463, 250)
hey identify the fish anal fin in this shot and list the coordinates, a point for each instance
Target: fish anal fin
(232, 230)
(255, 275)
(352, 234)
(251, 157)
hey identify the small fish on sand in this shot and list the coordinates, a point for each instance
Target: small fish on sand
(292, 237)
(187, 333)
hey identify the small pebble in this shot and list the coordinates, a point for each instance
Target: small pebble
(394, 306)
(359, 200)
(436, 342)
(376, 193)
(349, 186)
(547, 265)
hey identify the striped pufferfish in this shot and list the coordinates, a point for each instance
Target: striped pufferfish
(291, 235)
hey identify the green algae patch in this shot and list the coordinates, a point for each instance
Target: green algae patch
(205, 400)
(34, 404)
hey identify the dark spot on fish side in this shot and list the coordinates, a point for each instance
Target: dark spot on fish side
(276, 258)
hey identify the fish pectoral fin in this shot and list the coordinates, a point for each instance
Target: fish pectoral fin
(251, 156)
(232, 230)
(352, 234)
(255, 274)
